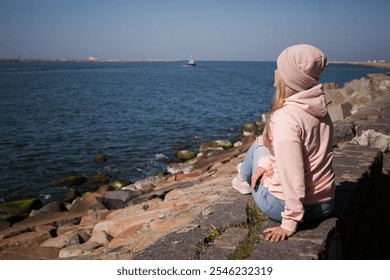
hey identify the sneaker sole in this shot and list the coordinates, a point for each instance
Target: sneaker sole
(242, 191)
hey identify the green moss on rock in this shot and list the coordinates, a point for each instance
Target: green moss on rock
(186, 155)
(15, 210)
(119, 184)
(71, 195)
(73, 180)
(99, 179)
(100, 158)
(224, 144)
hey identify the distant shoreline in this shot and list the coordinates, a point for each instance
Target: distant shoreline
(385, 64)
(381, 64)
(83, 60)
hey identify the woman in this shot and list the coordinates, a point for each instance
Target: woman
(293, 157)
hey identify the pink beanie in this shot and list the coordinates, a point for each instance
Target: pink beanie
(300, 66)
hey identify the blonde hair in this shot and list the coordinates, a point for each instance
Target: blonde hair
(282, 91)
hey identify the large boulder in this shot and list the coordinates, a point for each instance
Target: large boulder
(16, 210)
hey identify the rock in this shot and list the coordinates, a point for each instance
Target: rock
(340, 111)
(146, 183)
(100, 159)
(179, 147)
(104, 189)
(225, 244)
(99, 179)
(342, 132)
(248, 129)
(16, 210)
(119, 184)
(207, 147)
(254, 128)
(4, 224)
(334, 96)
(26, 239)
(224, 144)
(29, 253)
(101, 237)
(175, 246)
(186, 155)
(61, 241)
(78, 250)
(119, 199)
(71, 195)
(374, 139)
(175, 168)
(330, 86)
(89, 201)
(69, 181)
(54, 206)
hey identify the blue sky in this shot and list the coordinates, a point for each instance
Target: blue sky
(254, 30)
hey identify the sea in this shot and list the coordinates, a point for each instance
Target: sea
(57, 116)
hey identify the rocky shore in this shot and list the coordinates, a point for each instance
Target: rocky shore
(193, 213)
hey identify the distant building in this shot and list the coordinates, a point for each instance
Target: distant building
(91, 58)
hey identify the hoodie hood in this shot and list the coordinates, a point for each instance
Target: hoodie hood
(311, 101)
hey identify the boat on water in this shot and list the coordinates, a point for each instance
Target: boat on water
(191, 62)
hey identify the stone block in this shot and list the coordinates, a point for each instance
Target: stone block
(342, 132)
(29, 253)
(340, 111)
(334, 96)
(119, 199)
(175, 246)
(290, 249)
(26, 239)
(227, 215)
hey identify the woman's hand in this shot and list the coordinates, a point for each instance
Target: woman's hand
(276, 234)
(255, 176)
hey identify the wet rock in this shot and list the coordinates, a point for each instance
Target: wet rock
(69, 181)
(119, 184)
(179, 147)
(100, 158)
(207, 147)
(186, 155)
(254, 128)
(224, 144)
(16, 210)
(71, 195)
(99, 179)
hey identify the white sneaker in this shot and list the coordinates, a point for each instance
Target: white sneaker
(240, 184)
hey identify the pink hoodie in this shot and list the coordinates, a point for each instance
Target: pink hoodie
(299, 167)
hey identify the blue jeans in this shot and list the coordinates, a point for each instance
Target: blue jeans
(269, 204)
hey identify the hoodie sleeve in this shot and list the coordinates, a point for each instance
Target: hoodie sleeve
(288, 148)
